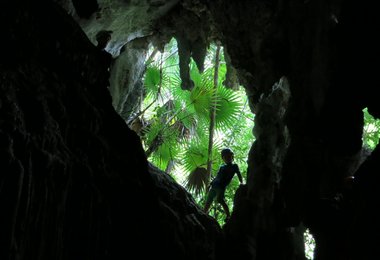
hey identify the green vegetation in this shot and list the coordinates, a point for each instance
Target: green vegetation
(371, 133)
(309, 245)
(176, 123)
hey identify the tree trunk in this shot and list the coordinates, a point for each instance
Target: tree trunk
(169, 167)
(212, 113)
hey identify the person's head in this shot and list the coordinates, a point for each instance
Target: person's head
(227, 155)
(103, 37)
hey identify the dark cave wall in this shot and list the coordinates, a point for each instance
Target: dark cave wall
(250, 31)
(325, 121)
(74, 180)
(317, 46)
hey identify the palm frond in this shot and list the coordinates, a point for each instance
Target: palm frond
(200, 99)
(203, 127)
(197, 181)
(222, 72)
(175, 79)
(166, 152)
(177, 92)
(152, 79)
(188, 117)
(196, 152)
(195, 155)
(195, 75)
(208, 77)
(151, 131)
(228, 108)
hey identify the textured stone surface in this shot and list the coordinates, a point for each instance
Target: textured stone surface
(74, 180)
(126, 84)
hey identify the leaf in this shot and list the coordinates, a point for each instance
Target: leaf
(196, 152)
(228, 108)
(195, 155)
(152, 79)
(371, 133)
(200, 99)
(166, 152)
(197, 181)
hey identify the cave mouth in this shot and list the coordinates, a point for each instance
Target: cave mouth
(175, 126)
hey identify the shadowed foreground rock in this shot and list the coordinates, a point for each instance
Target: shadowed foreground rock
(74, 180)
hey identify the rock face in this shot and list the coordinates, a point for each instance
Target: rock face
(74, 180)
(310, 43)
(126, 84)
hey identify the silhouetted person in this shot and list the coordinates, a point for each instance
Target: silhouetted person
(223, 178)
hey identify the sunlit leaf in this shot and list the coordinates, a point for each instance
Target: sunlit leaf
(152, 79)
(228, 108)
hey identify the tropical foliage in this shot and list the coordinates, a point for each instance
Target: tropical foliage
(309, 242)
(371, 133)
(176, 133)
(176, 127)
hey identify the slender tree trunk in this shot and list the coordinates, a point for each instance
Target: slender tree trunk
(160, 82)
(212, 113)
(169, 167)
(151, 57)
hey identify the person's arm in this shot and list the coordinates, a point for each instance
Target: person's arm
(239, 174)
(209, 185)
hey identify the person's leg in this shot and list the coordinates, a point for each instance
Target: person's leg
(225, 208)
(207, 206)
(210, 197)
(220, 199)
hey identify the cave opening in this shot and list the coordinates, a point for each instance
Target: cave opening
(174, 123)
